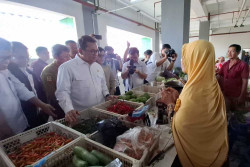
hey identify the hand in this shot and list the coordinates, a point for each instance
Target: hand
(240, 100)
(118, 57)
(92, 35)
(174, 57)
(71, 116)
(111, 97)
(137, 71)
(128, 44)
(48, 109)
(164, 55)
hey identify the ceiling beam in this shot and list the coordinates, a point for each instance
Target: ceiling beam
(207, 2)
(199, 9)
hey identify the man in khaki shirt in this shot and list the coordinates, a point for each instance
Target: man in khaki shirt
(49, 76)
(110, 78)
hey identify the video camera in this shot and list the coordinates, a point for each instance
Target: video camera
(131, 67)
(170, 53)
(111, 56)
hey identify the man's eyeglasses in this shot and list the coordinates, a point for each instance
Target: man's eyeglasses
(92, 51)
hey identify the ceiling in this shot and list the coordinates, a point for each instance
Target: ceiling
(224, 13)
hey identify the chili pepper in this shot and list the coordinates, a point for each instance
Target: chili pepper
(37, 149)
(120, 108)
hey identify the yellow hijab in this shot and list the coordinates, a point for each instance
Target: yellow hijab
(200, 124)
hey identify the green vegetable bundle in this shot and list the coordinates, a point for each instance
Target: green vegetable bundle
(130, 96)
(83, 158)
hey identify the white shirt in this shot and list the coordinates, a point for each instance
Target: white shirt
(10, 107)
(153, 70)
(30, 78)
(80, 85)
(134, 80)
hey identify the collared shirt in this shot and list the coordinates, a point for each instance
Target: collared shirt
(134, 80)
(80, 85)
(10, 107)
(114, 66)
(153, 70)
(219, 65)
(232, 78)
(30, 78)
(49, 77)
(110, 79)
(38, 67)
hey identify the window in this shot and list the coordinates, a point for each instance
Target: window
(35, 27)
(118, 38)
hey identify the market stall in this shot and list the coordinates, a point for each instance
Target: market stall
(115, 130)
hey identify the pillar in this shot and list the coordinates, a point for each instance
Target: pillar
(204, 30)
(90, 20)
(175, 24)
(157, 42)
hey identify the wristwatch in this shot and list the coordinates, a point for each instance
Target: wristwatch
(107, 95)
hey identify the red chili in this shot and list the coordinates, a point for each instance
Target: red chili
(120, 108)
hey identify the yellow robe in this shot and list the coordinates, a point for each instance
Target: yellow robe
(200, 124)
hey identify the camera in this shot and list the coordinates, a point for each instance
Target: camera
(131, 67)
(98, 37)
(111, 56)
(170, 53)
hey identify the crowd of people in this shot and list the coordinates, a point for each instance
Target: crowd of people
(83, 75)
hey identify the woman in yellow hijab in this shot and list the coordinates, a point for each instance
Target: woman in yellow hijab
(200, 125)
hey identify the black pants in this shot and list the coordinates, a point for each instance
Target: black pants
(117, 91)
(176, 162)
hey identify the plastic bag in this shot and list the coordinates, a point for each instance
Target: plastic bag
(115, 163)
(135, 141)
(110, 129)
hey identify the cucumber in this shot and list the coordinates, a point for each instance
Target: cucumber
(86, 156)
(77, 162)
(104, 160)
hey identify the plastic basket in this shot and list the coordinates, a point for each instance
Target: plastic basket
(9, 145)
(103, 107)
(159, 84)
(148, 89)
(148, 153)
(63, 158)
(86, 114)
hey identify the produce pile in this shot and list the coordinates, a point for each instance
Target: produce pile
(130, 96)
(134, 141)
(162, 79)
(120, 108)
(87, 126)
(84, 158)
(37, 149)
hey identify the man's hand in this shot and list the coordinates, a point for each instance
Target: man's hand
(128, 44)
(118, 57)
(71, 116)
(164, 55)
(48, 109)
(110, 97)
(174, 57)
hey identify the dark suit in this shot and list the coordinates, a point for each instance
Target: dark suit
(29, 109)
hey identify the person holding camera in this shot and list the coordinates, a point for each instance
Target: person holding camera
(115, 63)
(159, 62)
(134, 71)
